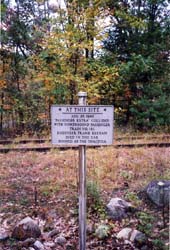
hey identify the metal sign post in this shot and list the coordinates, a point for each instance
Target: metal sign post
(82, 125)
(82, 185)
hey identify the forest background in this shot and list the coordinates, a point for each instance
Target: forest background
(116, 51)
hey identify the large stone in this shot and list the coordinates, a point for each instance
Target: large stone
(132, 235)
(26, 228)
(158, 191)
(118, 208)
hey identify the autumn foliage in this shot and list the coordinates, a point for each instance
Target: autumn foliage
(116, 52)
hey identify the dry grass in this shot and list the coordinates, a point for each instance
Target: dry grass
(35, 183)
(56, 172)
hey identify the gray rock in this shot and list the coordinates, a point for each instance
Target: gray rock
(60, 240)
(118, 208)
(49, 244)
(4, 236)
(102, 232)
(128, 234)
(38, 245)
(128, 242)
(124, 234)
(138, 238)
(26, 228)
(158, 191)
(27, 243)
(53, 233)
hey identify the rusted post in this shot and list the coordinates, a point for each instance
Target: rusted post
(82, 185)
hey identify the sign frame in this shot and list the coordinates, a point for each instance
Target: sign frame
(85, 114)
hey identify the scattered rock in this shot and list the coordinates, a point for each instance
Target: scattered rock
(138, 238)
(44, 236)
(124, 233)
(26, 228)
(49, 244)
(60, 240)
(129, 243)
(158, 191)
(53, 233)
(27, 243)
(118, 208)
(4, 236)
(102, 232)
(38, 245)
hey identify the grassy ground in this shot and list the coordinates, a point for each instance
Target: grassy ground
(57, 170)
(38, 181)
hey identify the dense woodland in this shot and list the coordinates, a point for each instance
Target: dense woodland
(117, 51)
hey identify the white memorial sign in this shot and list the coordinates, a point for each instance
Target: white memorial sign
(82, 125)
